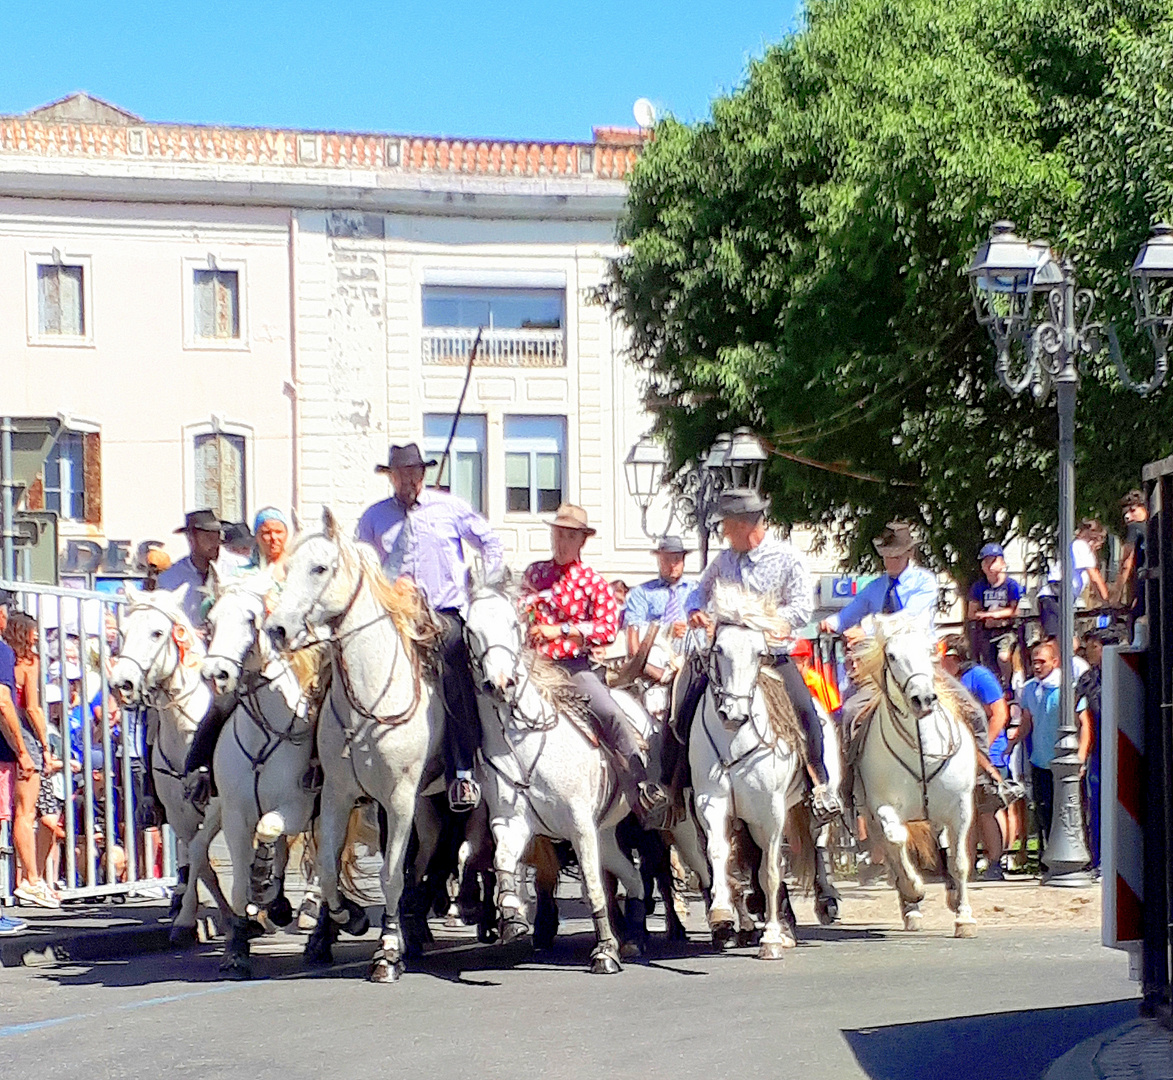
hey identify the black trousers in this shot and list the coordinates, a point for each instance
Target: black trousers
(462, 727)
(1043, 782)
(674, 759)
(203, 743)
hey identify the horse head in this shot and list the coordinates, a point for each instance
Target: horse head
(908, 653)
(234, 626)
(494, 632)
(321, 580)
(158, 640)
(745, 627)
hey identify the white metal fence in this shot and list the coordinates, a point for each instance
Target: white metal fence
(102, 748)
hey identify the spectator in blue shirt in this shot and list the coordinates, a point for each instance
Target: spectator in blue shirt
(993, 602)
(983, 685)
(903, 587)
(1040, 725)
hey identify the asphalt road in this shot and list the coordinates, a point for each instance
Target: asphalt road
(846, 1003)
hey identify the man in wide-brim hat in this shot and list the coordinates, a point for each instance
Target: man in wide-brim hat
(903, 586)
(573, 610)
(422, 533)
(204, 532)
(768, 566)
(662, 600)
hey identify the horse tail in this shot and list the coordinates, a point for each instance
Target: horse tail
(800, 839)
(359, 830)
(541, 854)
(922, 845)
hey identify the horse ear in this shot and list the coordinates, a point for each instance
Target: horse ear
(329, 524)
(132, 592)
(180, 594)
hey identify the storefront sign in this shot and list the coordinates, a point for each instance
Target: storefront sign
(111, 557)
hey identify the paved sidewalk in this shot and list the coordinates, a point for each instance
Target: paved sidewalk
(1138, 1050)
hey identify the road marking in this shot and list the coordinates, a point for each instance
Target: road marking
(37, 1025)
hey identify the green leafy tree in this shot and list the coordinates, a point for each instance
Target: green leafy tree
(797, 262)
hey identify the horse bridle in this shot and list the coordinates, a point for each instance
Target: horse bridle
(168, 700)
(720, 694)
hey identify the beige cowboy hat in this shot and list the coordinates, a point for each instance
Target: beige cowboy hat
(896, 539)
(570, 516)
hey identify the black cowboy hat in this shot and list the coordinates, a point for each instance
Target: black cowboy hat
(741, 502)
(236, 531)
(202, 521)
(405, 457)
(671, 545)
(896, 539)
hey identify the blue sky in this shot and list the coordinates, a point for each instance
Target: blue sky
(520, 69)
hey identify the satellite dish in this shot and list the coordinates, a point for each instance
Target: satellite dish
(644, 112)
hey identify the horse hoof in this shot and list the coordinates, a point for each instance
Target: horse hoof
(238, 968)
(676, 931)
(183, 937)
(747, 939)
(513, 930)
(317, 954)
(965, 929)
(913, 921)
(486, 934)
(827, 910)
(176, 904)
(605, 964)
(772, 950)
(724, 936)
(630, 950)
(280, 911)
(385, 971)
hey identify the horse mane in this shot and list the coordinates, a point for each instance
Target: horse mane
(868, 656)
(739, 607)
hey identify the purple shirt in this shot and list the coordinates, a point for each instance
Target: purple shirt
(432, 553)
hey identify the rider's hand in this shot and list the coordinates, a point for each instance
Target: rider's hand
(540, 632)
(679, 629)
(825, 627)
(853, 635)
(698, 620)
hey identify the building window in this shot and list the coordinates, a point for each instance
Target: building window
(464, 472)
(217, 305)
(61, 300)
(521, 327)
(70, 484)
(535, 452)
(220, 475)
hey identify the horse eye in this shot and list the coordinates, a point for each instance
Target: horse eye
(156, 634)
(318, 570)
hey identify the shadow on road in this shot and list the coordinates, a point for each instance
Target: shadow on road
(992, 1046)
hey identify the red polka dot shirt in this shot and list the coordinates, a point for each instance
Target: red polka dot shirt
(573, 594)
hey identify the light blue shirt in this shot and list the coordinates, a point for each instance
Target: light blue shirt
(1040, 698)
(648, 602)
(916, 597)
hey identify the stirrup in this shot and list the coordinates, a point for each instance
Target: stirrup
(658, 807)
(825, 803)
(464, 795)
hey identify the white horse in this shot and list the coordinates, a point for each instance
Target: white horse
(381, 726)
(544, 775)
(159, 665)
(262, 757)
(917, 765)
(742, 769)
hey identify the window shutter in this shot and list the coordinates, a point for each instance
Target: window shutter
(92, 469)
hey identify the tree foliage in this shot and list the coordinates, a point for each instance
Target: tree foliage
(797, 262)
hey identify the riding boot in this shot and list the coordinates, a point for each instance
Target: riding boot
(824, 801)
(203, 745)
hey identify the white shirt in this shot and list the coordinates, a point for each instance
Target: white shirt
(1083, 559)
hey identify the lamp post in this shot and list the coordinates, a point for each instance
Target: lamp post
(1031, 303)
(734, 460)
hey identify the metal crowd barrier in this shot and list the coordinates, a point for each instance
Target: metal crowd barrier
(98, 804)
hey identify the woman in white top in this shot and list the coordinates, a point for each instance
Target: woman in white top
(1089, 538)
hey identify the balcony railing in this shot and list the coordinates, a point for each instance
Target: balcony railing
(450, 345)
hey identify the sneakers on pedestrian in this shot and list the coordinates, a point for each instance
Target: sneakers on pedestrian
(993, 872)
(9, 925)
(37, 894)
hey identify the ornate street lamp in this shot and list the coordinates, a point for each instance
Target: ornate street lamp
(1031, 304)
(746, 460)
(644, 469)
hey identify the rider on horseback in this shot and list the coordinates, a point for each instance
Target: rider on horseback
(421, 533)
(572, 610)
(766, 566)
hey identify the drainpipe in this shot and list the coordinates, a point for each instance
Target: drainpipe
(7, 508)
(291, 388)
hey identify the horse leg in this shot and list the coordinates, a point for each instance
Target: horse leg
(511, 836)
(826, 895)
(908, 882)
(635, 914)
(238, 834)
(544, 859)
(776, 939)
(964, 924)
(605, 957)
(713, 810)
(387, 964)
(334, 912)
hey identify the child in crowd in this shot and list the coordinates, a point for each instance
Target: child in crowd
(993, 602)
